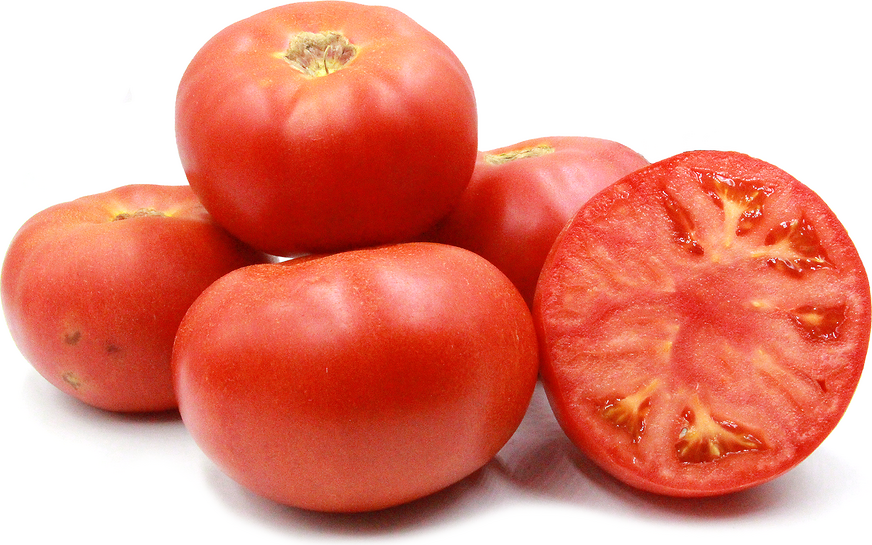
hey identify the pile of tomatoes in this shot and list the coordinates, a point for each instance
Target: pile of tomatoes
(350, 305)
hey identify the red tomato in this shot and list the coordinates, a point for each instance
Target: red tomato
(359, 380)
(326, 125)
(704, 323)
(93, 290)
(520, 197)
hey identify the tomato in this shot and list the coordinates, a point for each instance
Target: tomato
(94, 289)
(324, 126)
(704, 324)
(521, 196)
(359, 380)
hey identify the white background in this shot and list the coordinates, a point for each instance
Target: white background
(87, 101)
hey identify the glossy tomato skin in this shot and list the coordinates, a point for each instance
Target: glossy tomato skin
(356, 381)
(94, 289)
(372, 153)
(521, 196)
(704, 323)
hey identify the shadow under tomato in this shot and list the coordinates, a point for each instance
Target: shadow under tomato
(461, 499)
(50, 402)
(540, 464)
(541, 461)
(802, 492)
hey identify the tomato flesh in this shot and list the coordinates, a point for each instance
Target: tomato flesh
(704, 323)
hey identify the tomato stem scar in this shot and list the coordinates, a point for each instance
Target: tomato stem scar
(319, 54)
(139, 213)
(524, 153)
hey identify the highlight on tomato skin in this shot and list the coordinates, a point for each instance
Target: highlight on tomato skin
(703, 324)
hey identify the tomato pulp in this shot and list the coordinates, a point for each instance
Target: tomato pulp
(704, 324)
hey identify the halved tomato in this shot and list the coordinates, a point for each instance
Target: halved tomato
(704, 324)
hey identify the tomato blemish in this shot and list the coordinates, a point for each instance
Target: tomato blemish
(70, 378)
(72, 337)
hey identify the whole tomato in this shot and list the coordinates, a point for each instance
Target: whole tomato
(521, 196)
(93, 290)
(358, 380)
(326, 125)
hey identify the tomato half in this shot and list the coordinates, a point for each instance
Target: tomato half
(94, 289)
(323, 126)
(704, 324)
(359, 380)
(521, 196)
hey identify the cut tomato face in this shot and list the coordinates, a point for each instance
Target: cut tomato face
(704, 323)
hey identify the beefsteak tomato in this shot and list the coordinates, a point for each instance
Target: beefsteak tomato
(359, 380)
(521, 196)
(326, 125)
(704, 324)
(93, 290)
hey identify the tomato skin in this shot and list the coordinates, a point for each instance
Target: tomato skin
(359, 380)
(704, 323)
(373, 153)
(94, 302)
(512, 211)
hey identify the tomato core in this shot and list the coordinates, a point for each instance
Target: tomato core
(316, 55)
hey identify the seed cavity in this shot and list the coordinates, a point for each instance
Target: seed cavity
(629, 413)
(819, 322)
(742, 201)
(794, 247)
(706, 439)
(683, 227)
